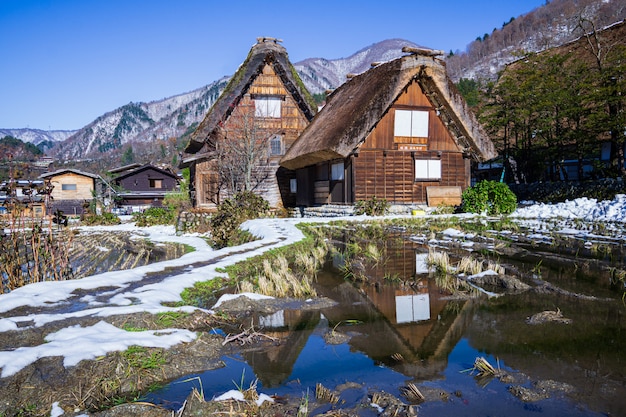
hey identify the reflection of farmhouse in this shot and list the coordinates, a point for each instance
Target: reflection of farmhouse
(260, 113)
(274, 364)
(412, 320)
(399, 131)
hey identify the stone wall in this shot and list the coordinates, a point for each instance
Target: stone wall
(196, 221)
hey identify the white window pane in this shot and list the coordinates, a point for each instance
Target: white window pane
(421, 168)
(273, 107)
(293, 185)
(337, 172)
(260, 107)
(402, 125)
(419, 124)
(434, 168)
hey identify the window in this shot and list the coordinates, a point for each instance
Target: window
(68, 187)
(428, 169)
(411, 123)
(267, 107)
(293, 185)
(336, 171)
(154, 183)
(276, 146)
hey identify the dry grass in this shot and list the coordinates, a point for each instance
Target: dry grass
(412, 393)
(470, 266)
(324, 394)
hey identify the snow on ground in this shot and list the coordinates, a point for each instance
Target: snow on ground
(121, 298)
(583, 208)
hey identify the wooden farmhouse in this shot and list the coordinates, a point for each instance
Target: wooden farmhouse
(143, 186)
(258, 116)
(73, 190)
(399, 131)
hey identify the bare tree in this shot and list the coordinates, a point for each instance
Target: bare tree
(243, 150)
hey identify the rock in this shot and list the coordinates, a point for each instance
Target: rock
(548, 316)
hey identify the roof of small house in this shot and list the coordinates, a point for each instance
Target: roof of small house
(353, 110)
(145, 167)
(69, 170)
(265, 51)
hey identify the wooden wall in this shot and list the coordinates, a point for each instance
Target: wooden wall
(84, 187)
(383, 169)
(390, 175)
(291, 123)
(140, 181)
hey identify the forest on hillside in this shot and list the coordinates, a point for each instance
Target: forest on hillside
(560, 114)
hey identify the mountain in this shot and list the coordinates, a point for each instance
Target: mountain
(37, 136)
(165, 123)
(140, 122)
(553, 24)
(143, 123)
(320, 74)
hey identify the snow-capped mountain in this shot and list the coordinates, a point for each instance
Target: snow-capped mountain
(141, 122)
(174, 116)
(320, 74)
(36, 136)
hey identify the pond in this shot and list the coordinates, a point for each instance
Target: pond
(394, 325)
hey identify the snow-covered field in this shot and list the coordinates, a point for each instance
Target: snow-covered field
(101, 338)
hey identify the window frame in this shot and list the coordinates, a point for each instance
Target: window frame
(152, 183)
(412, 123)
(268, 107)
(276, 139)
(337, 168)
(430, 166)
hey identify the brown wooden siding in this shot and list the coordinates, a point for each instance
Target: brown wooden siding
(289, 126)
(391, 175)
(382, 137)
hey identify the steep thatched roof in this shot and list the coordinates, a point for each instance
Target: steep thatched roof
(353, 110)
(265, 51)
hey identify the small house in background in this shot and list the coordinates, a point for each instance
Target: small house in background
(73, 190)
(262, 111)
(399, 131)
(23, 197)
(144, 186)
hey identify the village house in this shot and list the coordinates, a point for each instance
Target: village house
(142, 186)
(73, 190)
(258, 116)
(399, 131)
(23, 197)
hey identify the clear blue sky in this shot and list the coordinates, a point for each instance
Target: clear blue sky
(66, 62)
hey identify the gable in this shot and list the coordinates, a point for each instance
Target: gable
(421, 128)
(266, 71)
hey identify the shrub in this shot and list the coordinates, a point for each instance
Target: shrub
(155, 216)
(372, 207)
(105, 219)
(231, 213)
(491, 197)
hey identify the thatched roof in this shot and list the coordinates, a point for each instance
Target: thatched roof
(353, 110)
(265, 51)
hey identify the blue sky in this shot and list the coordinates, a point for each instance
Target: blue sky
(66, 62)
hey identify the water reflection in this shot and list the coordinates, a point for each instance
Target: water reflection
(403, 327)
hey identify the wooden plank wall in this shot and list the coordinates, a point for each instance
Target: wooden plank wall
(390, 175)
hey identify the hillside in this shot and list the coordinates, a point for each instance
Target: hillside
(157, 130)
(555, 23)
(141, 124)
